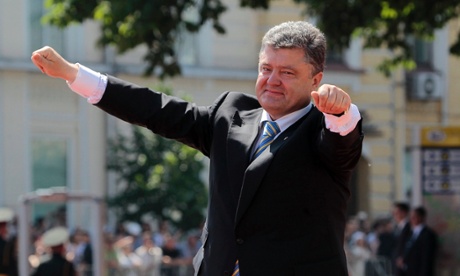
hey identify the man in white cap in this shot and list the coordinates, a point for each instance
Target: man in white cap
(6, 215)
(58, 265)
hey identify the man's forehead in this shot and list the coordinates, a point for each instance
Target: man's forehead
(283, 56)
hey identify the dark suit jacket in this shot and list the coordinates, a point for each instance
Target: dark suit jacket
(57, 266)
(401, 239)
(4, 263)
(420, 255)
(282, 214)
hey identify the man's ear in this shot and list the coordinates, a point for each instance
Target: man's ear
(317, 80)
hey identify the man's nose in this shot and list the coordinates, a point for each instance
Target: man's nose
(273, 79)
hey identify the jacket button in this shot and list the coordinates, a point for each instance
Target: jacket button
(239, 241)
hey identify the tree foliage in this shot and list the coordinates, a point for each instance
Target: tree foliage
(157, 23)
(392, 24)
(157, 177)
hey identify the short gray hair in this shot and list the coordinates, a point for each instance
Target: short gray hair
(299, 34)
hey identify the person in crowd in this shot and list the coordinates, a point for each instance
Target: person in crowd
(38, 228)
(402, 230)
(351, 227)
(359, 254)
(372, 237)
(110, 255)
(387, 239)
(189, 248)
(86, 258)
(164, 230)
(129, 263)
(151, 256)
(280, 162)
(419, 255)
(6, 256)
(58, 265)
(172, 257)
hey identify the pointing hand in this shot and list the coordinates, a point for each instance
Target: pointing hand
(331, 99)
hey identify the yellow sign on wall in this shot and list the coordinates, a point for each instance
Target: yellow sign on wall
(440, 137)
(440, 169)
(440, 163)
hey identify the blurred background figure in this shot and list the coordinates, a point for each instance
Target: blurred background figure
(83, 253)
(129, 263)
(110, 255)
(151, 256)
(189, 247)
(172, 257)
(55, 239)
(402, 230)
(164, 231)
(419, 255)
(387, 239)
(7, 247)
(359, 254)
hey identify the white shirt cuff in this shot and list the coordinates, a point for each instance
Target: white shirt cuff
(89, 84)
(345, 123)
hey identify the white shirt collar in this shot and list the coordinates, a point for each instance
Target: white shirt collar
(417, 229)
(287, 120)
(402, 223)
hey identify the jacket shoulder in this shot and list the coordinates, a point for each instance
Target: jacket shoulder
(240, 100)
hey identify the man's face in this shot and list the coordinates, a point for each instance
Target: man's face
(285, 81)
(414, 219)
(398, 214)
(3, 229)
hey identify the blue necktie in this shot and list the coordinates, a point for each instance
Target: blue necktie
(271, 129)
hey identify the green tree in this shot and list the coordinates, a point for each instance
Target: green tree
(392, 24)
(158, 177)
(381, 23)
(157, 24)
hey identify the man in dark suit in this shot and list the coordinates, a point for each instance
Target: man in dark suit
(419, 255)
(277, 209)
(58, 265)
(402, 231)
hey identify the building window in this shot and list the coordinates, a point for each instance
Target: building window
(423, 50)
(41, 34)
(49, 169)
(186, 48)
(186, 44)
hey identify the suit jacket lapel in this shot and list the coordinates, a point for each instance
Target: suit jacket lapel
(241, 136)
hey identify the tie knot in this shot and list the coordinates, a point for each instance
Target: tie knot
(271, 128)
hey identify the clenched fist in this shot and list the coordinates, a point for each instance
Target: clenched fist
(52, 64)
(331, 99)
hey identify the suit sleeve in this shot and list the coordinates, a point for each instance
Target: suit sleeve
(165, 115)
(340, 153)
(429, 253)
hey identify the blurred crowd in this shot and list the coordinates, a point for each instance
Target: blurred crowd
(400, 244)
(135, 249)
(131, 249)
